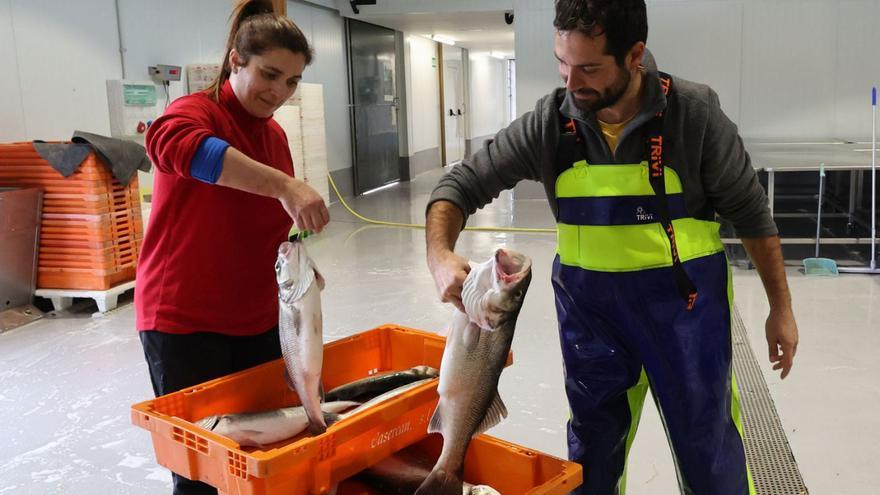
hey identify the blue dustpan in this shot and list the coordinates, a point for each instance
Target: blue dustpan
(820, 267)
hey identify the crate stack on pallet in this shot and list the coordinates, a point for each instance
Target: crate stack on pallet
(302, 119)
(91, 229)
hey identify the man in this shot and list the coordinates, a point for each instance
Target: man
(635, 165)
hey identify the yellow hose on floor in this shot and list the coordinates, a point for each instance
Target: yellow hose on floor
(422, 226)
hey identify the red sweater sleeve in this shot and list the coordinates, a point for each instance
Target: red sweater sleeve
(174, 137)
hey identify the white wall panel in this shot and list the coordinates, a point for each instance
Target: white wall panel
(325, 29)
(857, 67)
(423, 87)
(536, 69)
(488, 97)
(782, 68)
(65, 50)
(702, 42)
(11, 115)
(788, 74)
(174, 33)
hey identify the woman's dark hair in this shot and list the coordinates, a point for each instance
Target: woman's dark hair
(256, 28)
(624, 22)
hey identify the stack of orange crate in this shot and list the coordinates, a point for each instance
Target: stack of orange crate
(91, 228)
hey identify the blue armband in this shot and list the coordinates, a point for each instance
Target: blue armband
(207, 163)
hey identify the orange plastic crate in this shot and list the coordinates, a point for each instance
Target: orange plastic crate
(95, 204)
(60, 185)
(304, 465)
(94, 222)
(22, 160)
(38, 169)
(84, 278)
(91, 227)
(91, 231)
(83, 243)
(107, 259)
(91, 189)
(506, 467)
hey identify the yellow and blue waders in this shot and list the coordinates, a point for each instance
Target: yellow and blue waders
(644, 300)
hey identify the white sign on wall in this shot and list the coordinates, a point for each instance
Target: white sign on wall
(200, 76)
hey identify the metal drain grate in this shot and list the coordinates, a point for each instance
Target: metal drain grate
(767, 451)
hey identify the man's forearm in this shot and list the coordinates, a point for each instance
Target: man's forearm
(444, 223)
(766, 254)
(245, 174)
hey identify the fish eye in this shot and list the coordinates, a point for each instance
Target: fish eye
(278, 266)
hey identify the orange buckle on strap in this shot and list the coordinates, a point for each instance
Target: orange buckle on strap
(692, 300)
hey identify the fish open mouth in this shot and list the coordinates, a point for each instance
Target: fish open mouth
(510, 266)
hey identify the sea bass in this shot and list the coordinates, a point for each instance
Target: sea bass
(300, 328)
(476, 350)
(263, 428)
(386, 396)
(373, 386)
(401, 474)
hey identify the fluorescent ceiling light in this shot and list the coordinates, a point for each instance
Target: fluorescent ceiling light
(443, 39)
(498, 55)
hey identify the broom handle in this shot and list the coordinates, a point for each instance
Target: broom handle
(819, 213)
(874, 178)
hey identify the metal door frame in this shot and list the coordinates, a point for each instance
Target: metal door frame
(352, 121)
(442, 66)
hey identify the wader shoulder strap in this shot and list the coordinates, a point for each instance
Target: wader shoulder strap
(656, 148)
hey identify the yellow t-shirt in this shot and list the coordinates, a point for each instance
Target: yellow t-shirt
(612, 132)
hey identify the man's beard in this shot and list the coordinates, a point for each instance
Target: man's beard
(607, 99)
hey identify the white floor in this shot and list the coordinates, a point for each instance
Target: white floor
(68, 381)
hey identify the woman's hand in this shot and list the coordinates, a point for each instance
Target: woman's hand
(305, 206)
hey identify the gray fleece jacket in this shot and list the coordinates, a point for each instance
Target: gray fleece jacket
(706, 152)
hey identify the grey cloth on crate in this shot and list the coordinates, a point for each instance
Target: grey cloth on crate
(122, 157)
(64, 157)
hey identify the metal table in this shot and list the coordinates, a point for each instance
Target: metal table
(836, 155)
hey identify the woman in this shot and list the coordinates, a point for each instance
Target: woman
(225, 198)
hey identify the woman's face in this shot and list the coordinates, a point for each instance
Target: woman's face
(267, 80)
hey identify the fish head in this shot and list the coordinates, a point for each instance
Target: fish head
(291, 256)
(294, 267)
(423, 371)
(495, 289)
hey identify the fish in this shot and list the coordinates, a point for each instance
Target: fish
(259, 429)
(375, 385)
(474, 356)
(482, 490)
(403, 472)
(300, 329)
(386, 396)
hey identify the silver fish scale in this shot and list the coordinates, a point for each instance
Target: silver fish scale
(487, 355)
(299, 330)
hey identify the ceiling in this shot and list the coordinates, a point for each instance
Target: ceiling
(478, 31)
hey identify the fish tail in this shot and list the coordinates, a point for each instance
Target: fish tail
(441, 482)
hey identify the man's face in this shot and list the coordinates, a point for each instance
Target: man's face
(592, 76)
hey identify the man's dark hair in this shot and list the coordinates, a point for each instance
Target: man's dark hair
(624, 22)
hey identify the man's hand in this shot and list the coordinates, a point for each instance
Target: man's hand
(782, 339)
(305, 206)
(449, 271)
(782, 332)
